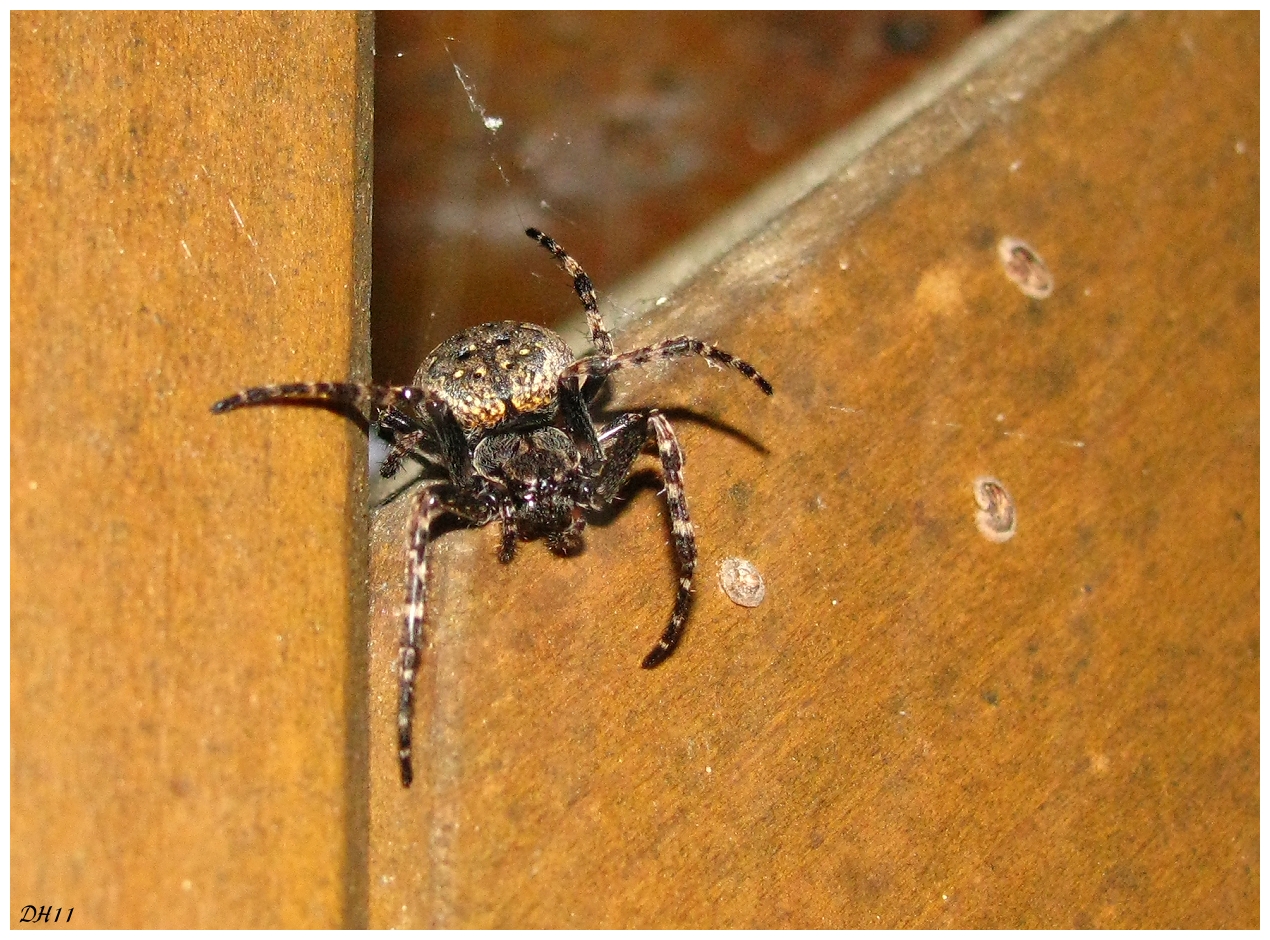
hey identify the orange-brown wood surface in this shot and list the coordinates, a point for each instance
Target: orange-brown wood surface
(919, 726)
(190, 214)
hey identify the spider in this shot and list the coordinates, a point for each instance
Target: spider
(501, 413)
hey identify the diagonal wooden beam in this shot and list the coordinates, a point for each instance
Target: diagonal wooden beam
(922, 724)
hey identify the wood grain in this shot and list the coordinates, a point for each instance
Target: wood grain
(190, 214)
(918, 727)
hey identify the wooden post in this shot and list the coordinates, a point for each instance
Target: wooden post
(190, 214)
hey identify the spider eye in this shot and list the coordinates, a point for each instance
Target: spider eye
(502, 340)
(463, 353)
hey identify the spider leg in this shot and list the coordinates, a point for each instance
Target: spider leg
(407, 436)
(628, 434)
(685, 540)
(667, 349)
(578, 419)
(507, 549)
(582, 284)
(386, 400)
(432, 501)
(354, 395)
(407, 445)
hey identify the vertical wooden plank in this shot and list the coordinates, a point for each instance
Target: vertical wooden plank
(190, 212)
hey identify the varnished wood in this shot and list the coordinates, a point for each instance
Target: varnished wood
(918, 726)
(190, 214)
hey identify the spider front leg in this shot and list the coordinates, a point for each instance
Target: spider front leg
(353, 395)
(685, 540)
(676, 348)
(432, 501)
(628, 434)
(584, 288)
(381, 400)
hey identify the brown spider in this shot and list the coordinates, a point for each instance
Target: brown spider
(502, 412)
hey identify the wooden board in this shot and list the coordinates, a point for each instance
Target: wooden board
(190, 214)
(919, 726)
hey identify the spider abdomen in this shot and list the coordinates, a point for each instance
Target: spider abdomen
(492, 372)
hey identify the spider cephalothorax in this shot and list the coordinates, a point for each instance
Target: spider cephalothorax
(500, 415)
